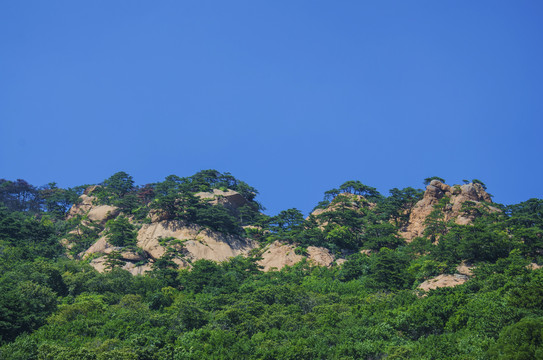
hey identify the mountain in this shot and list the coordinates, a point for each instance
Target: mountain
(191, 268)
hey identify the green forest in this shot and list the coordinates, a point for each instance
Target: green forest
(368, 304)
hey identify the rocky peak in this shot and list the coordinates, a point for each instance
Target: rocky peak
(87, 207)
(457, 194)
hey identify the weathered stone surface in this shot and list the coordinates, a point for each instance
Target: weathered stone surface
(133, 256)
(82, 208)
(101, 246)
(137, 270)
(100, 265)
(320, 256)
(102, 213)
(230, 199)
(457, 194)
(464, 269)
(95, 213)
(278, 255)
(197, 244)
(444, 280)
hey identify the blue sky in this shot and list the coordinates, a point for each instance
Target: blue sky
(294, 97)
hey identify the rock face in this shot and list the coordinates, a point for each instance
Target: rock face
(128, 256)
(101, 246)
(444, 280)
(197, 243)
(188, 242)
(458, 194)
(95, 213)
(100, 265)
(278, 255)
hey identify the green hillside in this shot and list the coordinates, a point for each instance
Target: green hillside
(383, 296)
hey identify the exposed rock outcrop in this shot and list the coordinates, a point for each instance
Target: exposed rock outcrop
(444, 280)
(101, 246)
(100, 265)
(230, 199)
(189, 242)
(88, 207)
(458, 195)
(197, 243)
(464, 269)
(278, 255)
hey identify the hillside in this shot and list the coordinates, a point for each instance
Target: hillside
(191, 267)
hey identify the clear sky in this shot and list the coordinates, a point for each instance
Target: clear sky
(293, 97)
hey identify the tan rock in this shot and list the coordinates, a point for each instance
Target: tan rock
(137, 270)
(157, 215)
(230, 199)
(102, 213)
(82, 208)
(464, 269)
(95, 213)
(444, 280)
(198, 243)
(100, 265)
(278, 255)
(320, 256)
(101, 246)
(90, 189)
(132, 256)
(457, 194)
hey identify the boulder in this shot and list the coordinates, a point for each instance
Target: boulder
(137, 270)
(100, 265)
(101, 246)
(278, 255)
(132, 256)
(102, 213)
(320, 256)
(87, 206)
(444, 280)
(197, 243)
(230, 199)
(464, 269)
(81, 208)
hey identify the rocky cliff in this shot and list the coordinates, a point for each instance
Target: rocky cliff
(278, 255)
(457, 196)
(182, 242)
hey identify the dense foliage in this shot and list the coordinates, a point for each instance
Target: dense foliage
(52, 307)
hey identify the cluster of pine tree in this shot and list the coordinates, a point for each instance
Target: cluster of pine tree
(54, 307)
